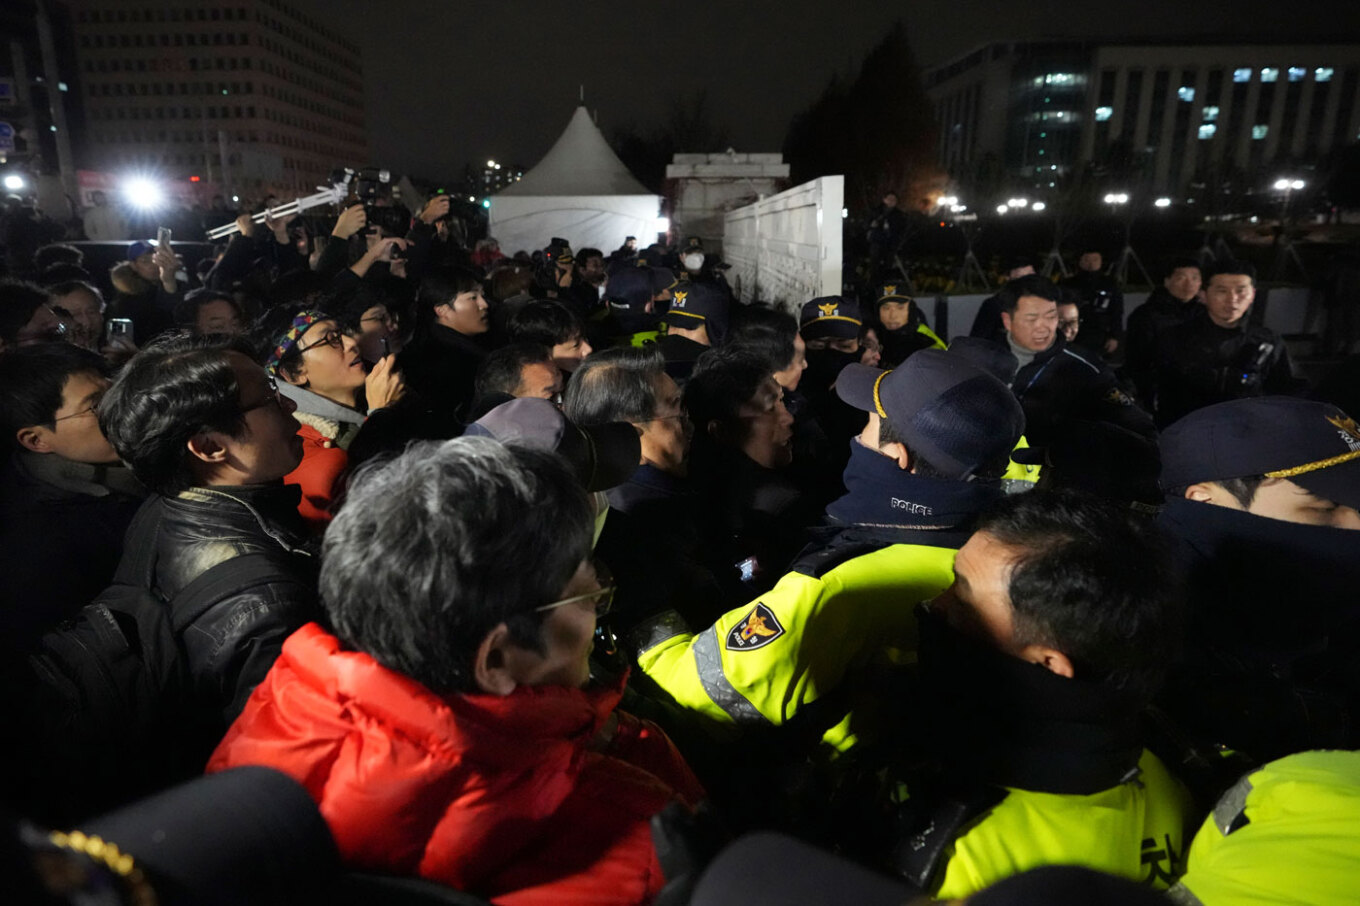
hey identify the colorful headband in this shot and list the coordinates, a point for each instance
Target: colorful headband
(286, 343)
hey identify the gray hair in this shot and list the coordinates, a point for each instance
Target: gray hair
(614, 385)
(434, 548)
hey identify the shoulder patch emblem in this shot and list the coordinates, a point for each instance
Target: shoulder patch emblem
(758, 629)
(1118, 397)
(828, 310)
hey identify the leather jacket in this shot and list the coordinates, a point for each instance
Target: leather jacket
(230, 646)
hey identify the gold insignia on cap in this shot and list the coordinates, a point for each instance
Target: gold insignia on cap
(828, 309)
(1350, 431)
(889, 291)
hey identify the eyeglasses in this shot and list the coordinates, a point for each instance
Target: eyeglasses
(90, 410)
(604, 599)
(333, 338)
(387, 320)
(1072, 323)
(274, 397)
(602, 596)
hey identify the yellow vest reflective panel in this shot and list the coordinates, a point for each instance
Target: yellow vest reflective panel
(930, 335)
(1018, 476)
(762, 662)
(1136, 830)
(1286, 833)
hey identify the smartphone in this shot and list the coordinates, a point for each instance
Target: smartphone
(163, 237)
(386, 347)
(120, 329)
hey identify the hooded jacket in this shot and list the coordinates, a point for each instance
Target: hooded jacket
(503, 796)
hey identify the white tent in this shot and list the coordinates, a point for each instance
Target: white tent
(579, 191)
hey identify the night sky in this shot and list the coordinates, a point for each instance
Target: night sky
(458, 81)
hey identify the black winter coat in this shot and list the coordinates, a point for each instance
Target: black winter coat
(230, 647)
(1066, 382)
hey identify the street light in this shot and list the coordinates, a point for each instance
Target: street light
(1017, 202)
(1289, 185)
(1162, 202)
(491, 163)
(14, 182)
(1117, 198)
(1038, 206)
(1002, 208)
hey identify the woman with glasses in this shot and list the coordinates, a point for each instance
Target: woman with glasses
(317, 366)
(447, 721)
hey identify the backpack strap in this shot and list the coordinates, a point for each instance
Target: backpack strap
(222, 581)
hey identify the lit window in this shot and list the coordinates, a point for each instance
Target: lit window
(1210, 114)
(1241, 75)
(1323, 73)
(1270, 74)
(1207, 131)
(1297, 73)
(1259, 132)
(1104, 113)
(1185, 93)
(1060, 78)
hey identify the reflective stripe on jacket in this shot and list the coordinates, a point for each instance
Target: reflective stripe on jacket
(1286, 833)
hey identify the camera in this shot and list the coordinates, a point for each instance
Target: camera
(371, 187)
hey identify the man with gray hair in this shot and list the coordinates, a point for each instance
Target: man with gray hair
(652, 539)
(448, 727)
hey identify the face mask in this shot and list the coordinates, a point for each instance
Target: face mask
(824, 366)
(693, 262)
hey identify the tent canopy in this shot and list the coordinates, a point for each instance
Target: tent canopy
(579, 163)
(580, 191)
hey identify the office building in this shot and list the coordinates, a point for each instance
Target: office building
(246, 96)
(1038, 109)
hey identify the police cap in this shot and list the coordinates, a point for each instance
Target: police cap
(953, 413)
(1313, 444)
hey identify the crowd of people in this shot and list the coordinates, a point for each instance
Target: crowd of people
(576, 579)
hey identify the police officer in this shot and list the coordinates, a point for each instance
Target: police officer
(1288, 832)
(1035, 664)
(1216, 355)
(636, 298)
(938, 435)
(1262, 498)
(1055, 381)
(904, 326)
(695, 322)
(1101, 303)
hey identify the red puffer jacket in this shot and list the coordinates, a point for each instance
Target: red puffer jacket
(502, 796)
